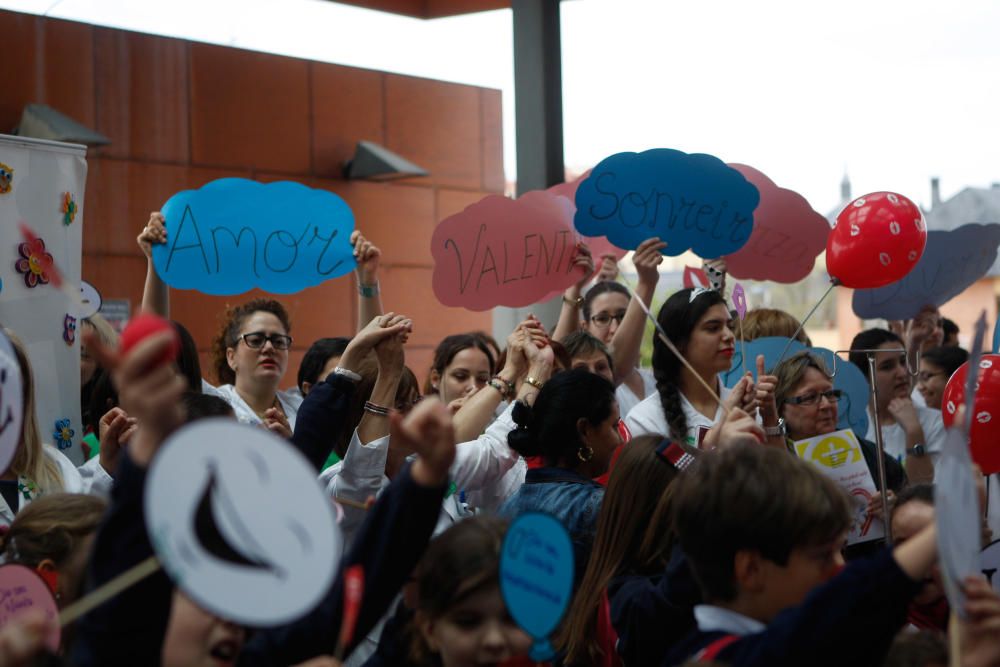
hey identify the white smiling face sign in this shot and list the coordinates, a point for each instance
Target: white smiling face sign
(11, 402)
(240, 523)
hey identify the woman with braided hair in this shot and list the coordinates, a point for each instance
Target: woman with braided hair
(697, 322)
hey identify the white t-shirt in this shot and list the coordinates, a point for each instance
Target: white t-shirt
(647, 417)
(290, 401)
(894, 438)
(627, 398)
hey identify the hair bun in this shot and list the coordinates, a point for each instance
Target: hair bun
(521, 414)
(522, 440)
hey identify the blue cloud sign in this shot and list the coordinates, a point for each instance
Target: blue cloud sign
(952, 261)
(536, 577)
(692, 202)
(233, 235)
(852, 411)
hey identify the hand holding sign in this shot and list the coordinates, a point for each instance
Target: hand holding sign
(536, 577)
(233, 234)
(787, 234)
(504, 252)
(239, 523)
(690, 201)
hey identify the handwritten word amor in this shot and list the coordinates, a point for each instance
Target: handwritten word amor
(233, 234)
(278, 252)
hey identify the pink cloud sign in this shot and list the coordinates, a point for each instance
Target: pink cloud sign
(505, 252)
(22, 590)
(787, 234)
(599, 246)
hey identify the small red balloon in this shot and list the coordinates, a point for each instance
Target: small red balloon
(984, 434)
(144, 325)
(877, 240)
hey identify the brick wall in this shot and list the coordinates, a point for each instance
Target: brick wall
(180, 114)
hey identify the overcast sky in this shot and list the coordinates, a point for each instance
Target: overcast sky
(894, 91)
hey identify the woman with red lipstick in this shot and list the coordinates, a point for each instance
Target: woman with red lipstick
(912, 434)
(251, 355)
(697, 322)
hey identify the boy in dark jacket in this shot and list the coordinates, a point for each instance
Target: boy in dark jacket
(763, 532)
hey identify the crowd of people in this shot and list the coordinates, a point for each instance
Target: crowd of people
(698, 536)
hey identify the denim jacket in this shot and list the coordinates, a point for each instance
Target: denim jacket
(569, 497)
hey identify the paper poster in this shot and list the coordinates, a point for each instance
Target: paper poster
(505, 252)
(691, 202)
(23, 590)
(852, 410)
(599, 246)
(41, 315)
(536, 577)
(233, 234)
(956, 510)
(838, 455)
(952, 262)
(787, 236)
(240, 523)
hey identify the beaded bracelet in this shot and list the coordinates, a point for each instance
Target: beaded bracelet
(506, 389)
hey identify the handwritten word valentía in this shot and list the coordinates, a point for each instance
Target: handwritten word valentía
(505, 252)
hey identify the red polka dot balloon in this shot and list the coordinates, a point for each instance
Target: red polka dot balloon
(984, 435)
(876, 241)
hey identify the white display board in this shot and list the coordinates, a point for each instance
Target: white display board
(35, 177)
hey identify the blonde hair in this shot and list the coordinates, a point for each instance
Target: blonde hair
(764, 322)
(104, 330)
(30, 459)
(52, 527)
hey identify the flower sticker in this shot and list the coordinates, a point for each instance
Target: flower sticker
(6, 179)
(69, 329)
(63, 434)
(35, 263)
(68, 208)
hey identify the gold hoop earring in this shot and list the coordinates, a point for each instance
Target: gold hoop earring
(585, 454)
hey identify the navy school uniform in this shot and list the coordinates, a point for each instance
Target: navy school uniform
(849, 620)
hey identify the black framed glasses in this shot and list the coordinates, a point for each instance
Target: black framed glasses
(603, 320)
(256, 340)
(833, 395)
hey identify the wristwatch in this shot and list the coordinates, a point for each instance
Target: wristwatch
(916, 450)
(771, 431)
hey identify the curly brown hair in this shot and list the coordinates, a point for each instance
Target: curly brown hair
(228, 336)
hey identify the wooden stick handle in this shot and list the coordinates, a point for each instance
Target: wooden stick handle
(98, 597)
(347, 502)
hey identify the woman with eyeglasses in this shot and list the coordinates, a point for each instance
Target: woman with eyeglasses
(912, 434)
(608, 314)
(809, 404)
(936, 366)
(250, 357)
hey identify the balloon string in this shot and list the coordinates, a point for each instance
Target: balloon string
(670, 346)
(833, 283)
(101, 595)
